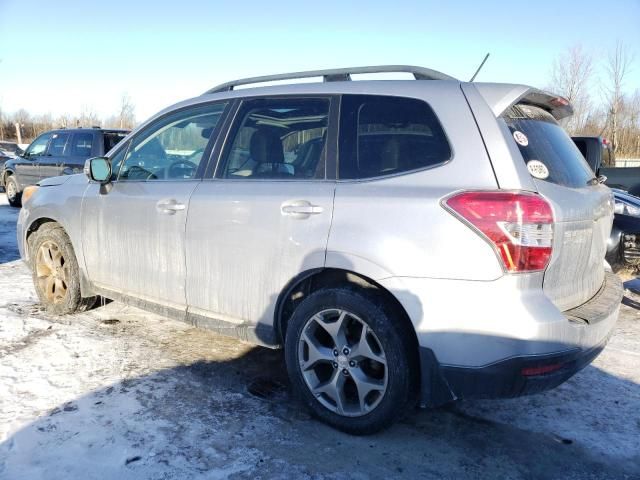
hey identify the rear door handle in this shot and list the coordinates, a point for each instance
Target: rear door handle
(300, 209)
(169, 206)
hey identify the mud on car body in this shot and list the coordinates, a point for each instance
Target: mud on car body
(403, 241)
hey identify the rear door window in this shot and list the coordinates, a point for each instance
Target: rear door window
(382, 135)
(279, 138)
(58, 143)
(548, 151)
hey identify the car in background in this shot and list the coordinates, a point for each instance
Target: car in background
(623, 250)
(57, 152)
(11, 148)
(623, 247)
(8, 150)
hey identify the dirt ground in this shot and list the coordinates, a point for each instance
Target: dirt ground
(120, 393)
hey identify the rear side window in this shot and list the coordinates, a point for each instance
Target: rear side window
(388, 135)
(280, 138)
(82, 144)
(548, 151)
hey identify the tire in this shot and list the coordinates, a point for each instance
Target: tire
(385, 339)
(56, 276)
(13, 192)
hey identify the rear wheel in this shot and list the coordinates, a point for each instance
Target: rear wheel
(350, 360)
(56, 276)
(13, 191)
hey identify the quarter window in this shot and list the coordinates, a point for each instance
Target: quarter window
(279, 139)
(173, 147)
(388, 135)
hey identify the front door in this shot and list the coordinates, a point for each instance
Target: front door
(133, 235)
(264, 218)
(28, 168)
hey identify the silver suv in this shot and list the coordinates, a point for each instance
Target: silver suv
(405, 241)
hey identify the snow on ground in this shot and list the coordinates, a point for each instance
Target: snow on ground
(120, 393)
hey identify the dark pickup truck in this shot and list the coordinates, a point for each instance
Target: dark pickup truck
(599, 156)
(57, 152)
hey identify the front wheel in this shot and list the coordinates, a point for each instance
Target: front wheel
(350, 360)
(13, 191)
(56, 276)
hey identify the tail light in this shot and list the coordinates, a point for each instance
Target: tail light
(519, 225)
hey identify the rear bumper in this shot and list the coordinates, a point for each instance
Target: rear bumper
(589, 327)
(510, 378)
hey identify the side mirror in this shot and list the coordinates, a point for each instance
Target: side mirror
(98, 169)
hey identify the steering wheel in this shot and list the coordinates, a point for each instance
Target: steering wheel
(138, 173)
(173, 170)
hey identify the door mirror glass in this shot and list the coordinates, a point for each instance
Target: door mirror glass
(98, 169)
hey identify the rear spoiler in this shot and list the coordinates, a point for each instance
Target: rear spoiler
(501, 96)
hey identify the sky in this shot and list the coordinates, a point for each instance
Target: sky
(62, 56)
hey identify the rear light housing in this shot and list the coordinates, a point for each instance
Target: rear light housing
(519, 225)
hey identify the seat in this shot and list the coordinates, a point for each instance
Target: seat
(267, 151)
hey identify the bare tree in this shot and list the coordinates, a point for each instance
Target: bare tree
(126, 116)
(617, 67)
(570, 76)
(88, 117)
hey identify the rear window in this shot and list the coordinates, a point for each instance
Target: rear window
(548, 151)
(388, 135)
(111, 139)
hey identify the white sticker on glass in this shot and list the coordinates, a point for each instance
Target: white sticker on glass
(538, 169)
(520, 138)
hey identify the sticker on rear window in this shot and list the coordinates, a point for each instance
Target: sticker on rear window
(537, 169)
(520, 138)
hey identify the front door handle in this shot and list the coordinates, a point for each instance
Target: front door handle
(300, 209)
(169, 206)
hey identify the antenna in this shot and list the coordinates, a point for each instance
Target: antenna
(479, 68)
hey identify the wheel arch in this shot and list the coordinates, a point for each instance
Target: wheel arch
(85, 286)
(315, 279)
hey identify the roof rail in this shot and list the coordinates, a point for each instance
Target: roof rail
(335, 75)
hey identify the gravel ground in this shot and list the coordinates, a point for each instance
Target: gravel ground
(121, 393)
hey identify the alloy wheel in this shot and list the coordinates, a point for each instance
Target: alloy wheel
(343, 362)
(52, 272)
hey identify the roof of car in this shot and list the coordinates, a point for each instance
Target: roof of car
(89, 129)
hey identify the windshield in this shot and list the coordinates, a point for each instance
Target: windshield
(548, 151)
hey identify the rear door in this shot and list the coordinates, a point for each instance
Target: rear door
(133, 236)
(266, 215)
(583, 208)
(82, 145)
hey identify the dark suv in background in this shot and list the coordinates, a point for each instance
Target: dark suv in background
(57, 152)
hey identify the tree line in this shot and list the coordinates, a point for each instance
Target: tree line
(597, 89)
(22, 127)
